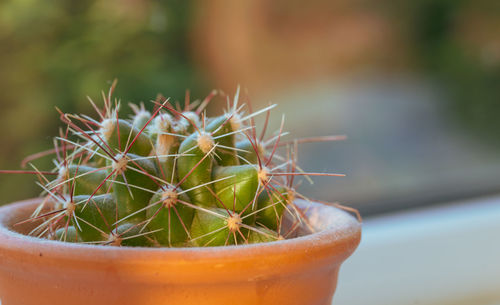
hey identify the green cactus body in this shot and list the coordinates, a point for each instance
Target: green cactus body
(190, 162)
(166, 147)
(271, 206)
(130, 234)
(68, 234)
(239, 190)
(127, 133)
(184, 181)
(262, 236)
(95, 216)
(221, 126)
(134, 186)
(166, 213)
(86, 179)
(247, 151)
(210, 230)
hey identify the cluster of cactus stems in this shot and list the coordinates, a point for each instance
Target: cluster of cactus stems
(170, 178)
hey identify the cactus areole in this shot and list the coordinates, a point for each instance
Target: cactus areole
(171, 177)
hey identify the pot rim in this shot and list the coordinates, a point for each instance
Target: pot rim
(346, 234)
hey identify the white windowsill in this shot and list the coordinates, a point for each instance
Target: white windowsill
(442, 255)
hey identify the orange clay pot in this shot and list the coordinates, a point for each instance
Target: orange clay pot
(301, 270)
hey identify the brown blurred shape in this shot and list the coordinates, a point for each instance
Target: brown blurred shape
(263, 44)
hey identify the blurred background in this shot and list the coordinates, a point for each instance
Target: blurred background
(414, 84)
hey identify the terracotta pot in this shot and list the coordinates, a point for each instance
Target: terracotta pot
(302, 270)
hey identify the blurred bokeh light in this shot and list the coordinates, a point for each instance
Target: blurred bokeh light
(414, 84)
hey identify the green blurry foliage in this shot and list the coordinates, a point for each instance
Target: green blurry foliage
(55, 53)
(457, 43)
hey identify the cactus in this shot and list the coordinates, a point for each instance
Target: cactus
(169, 178)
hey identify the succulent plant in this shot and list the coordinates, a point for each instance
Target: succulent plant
(173, 177)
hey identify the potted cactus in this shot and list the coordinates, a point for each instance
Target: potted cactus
(172, 207)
